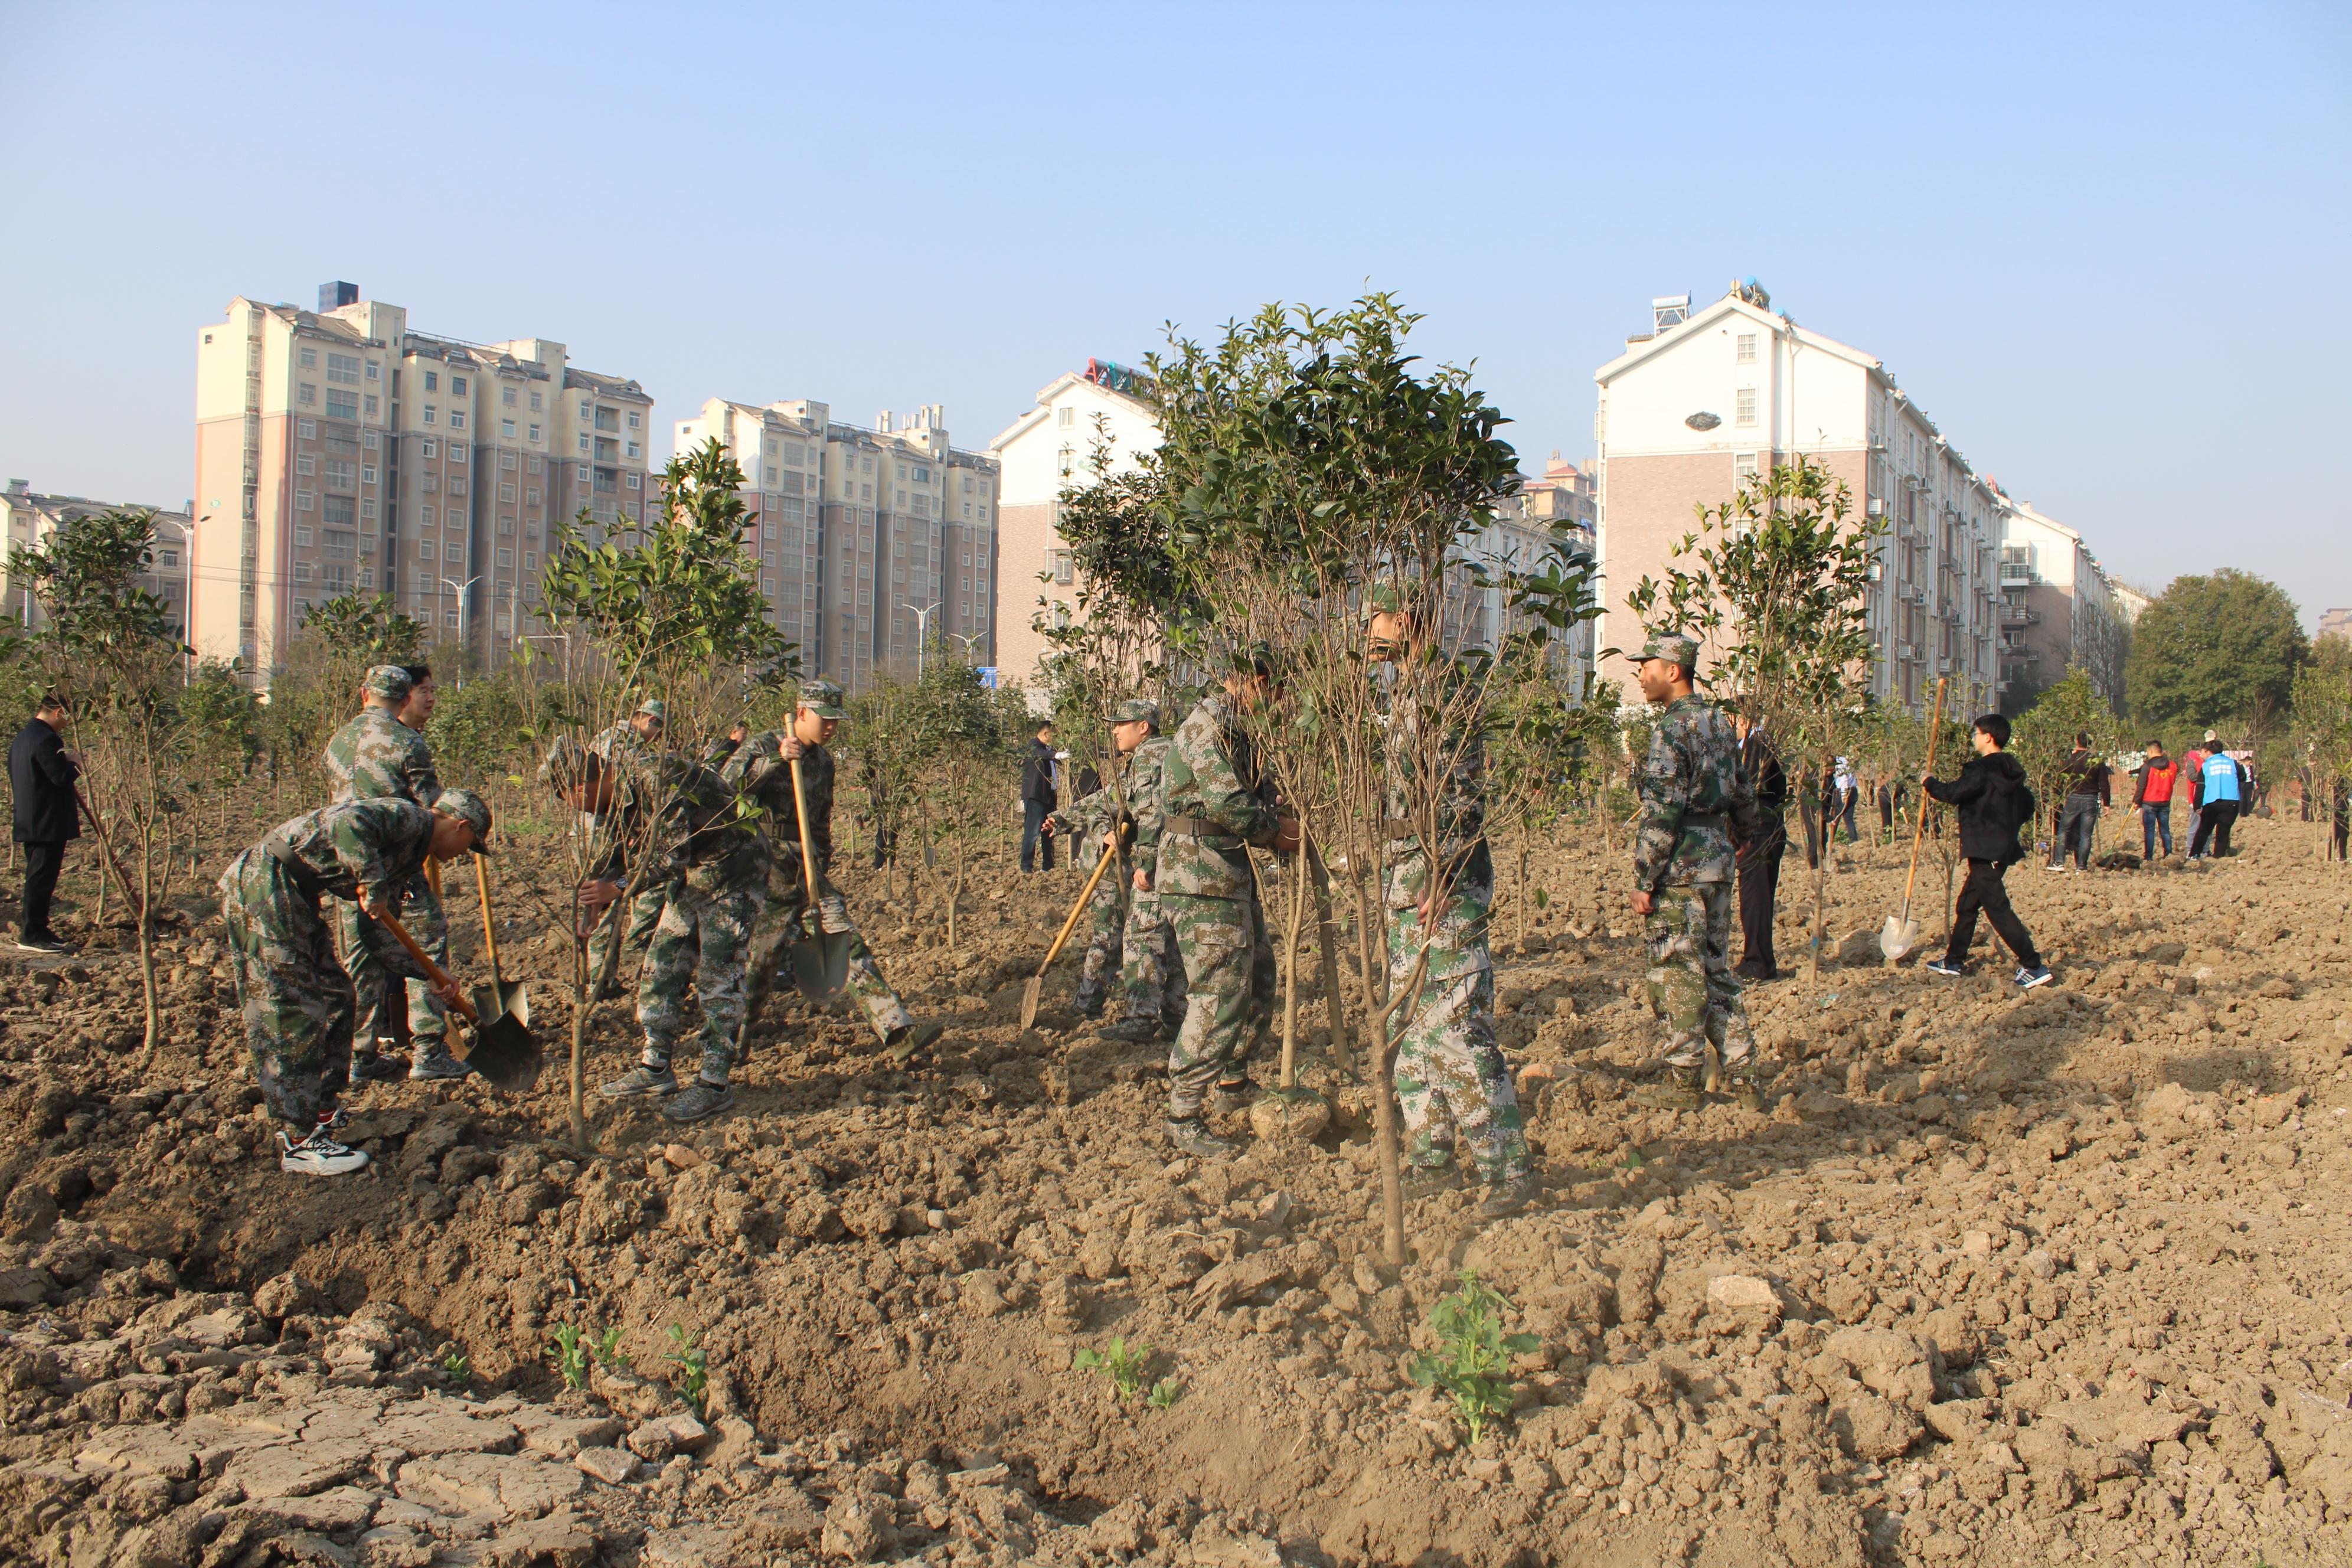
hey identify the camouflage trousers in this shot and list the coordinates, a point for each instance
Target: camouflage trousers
(635, 934)
(1452, 1082)
(1151, 970)
(1106, 929)
(292, 993)
(703, 939)
(1691, 984)
(781, 926)
(428, 1016)
(1228, 958)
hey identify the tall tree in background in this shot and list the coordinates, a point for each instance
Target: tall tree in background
(2215, 649)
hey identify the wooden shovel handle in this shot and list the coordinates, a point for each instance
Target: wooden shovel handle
(1071, 924)
(808, 854)
(489, 931)
(1918, 833)
(432, 971)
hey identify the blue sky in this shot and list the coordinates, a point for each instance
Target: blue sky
(2098, 244)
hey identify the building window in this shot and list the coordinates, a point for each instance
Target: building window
(636, 422)
(372, 371)
(432, 414)
(370, 400)
(306, 429)
(306, 500)
(1066, 418)
(506, 397)
(1746, 403)
(456, 419)
(637, 481)
(534, 438)
(342, 404)
(302, 535)
(506, 492)
(1062, 566)
(306, 464)
(530, 560)
(530, 494)
(425, 516)
(1746, 351)
(1743, 468)
(506, 558)
(367, 508)
(431, 447)
(633, 450)
(457, 452)
(456, 386)
(343, 368)
(432, 381)
(583, 441)
(1062, 462)
(309, 358)
(506, 428)
(306, 395)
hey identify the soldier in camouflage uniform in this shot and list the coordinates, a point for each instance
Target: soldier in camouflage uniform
(638, 740)
(761, 768)
(1151, 972)
(292, 993)
(712, 867)
(1090, 823)
(381, 755)
(1697, 803)
(1218, 803)
(1452, 1082)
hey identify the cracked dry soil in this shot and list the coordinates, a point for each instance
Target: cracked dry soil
(1999, 1279)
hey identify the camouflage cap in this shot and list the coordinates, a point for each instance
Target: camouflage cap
(1384, 600)
(653, 707)
(388, 681)
(473, 809)
(821, 698)
(1136, 710)
(1672, 646)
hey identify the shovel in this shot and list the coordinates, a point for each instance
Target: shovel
(502, 997)
(820, 958)
(1901, 932)
(1032, 992)
(503, 1050)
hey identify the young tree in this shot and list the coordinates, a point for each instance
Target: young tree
(2215, 649)
(223, 722)
(2043, 737)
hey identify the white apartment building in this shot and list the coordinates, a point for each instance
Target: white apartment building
(27, 519)
(869, 538)
(1711, 396)
(338, 451)
(2059, 608)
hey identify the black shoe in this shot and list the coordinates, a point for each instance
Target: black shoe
(377, 1069)
(1757, 974)
(1132, 1031)
(40, 941)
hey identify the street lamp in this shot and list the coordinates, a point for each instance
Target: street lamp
(922, 624)
(970, 641)
(460, 590)
(188, 600)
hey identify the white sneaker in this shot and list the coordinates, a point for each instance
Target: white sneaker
(318, 1155)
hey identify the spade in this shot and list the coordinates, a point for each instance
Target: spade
(820, 958)
(1901, 932)
(501, 995)
(1032, 992)
(503, 1050)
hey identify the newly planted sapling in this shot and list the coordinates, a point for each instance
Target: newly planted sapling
(1122, 1363)
(608, 1352)
(1164, 1394)
(693, 1364)
(1472, 1359)
(571, 1355)
(457, 1367)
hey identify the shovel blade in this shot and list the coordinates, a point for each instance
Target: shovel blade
(504, 1052)
(1031, 994)
(1897, 937)
(820, 965)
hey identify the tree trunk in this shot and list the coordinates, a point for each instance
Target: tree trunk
(1290, 977)
(1523, 890)
(1327, 938)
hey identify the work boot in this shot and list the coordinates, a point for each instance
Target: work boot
(641, 1081)
(1231, 1097)
(907, 1039)
(1130, 1031)
(434, 1062)
(1505, 1199)
(1677, 1089)
(376, 1066)
(1195, 1139)
(700, 1101)
(1747, 1088)
(1428, 1180)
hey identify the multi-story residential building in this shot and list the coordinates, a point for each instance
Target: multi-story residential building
(1566, 493)
(869, 540)
(2059, 610)
(2334, 624)
(27, 519)
(1048, 449)
(1711, 396)
(338, 450)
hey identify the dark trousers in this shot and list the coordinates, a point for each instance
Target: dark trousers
(1759, 882)
(2155, 817)
(2213, 826)
(1036, 845)
(1985, 892)
(1845, 814)
(43, 862)
(2078, 826)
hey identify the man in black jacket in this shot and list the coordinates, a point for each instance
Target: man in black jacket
(41, 773)
(2090, 784)
(1759, 858)
(1038, 799)
(1992, 802)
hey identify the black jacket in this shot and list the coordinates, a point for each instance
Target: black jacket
(1037, 775)
(43, 780)
(1762, 764)
(1988, 796)
(2084, 773)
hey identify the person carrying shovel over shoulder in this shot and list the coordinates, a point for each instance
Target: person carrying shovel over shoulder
(1697, 805)
(1992, 801)
(761, 768)
(292, 993)
(1104, 820)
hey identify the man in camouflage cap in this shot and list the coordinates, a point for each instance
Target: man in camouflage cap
(1152, 971)
(1218, 803)
(1104, 819)
(294, 997)
(637, 739)
(380, 754)
(1696, 803)
(685, 830)
(1438, 885)
(761, 768)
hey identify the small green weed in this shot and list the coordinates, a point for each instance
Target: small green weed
(1121, 1363)
(457, 1368)
(571, 1355)
(1164, 1394)
(693, 1364)
(1472, 1359)
(608, 1352)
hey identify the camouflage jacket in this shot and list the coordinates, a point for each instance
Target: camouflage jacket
(1147, 784)
(767, 778)
(688, 818)
(620, 743)
(1214, 800)
(1457, 763)
(377, 757)
(1696, 799)
(340, 851)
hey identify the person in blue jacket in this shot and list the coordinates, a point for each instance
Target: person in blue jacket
(2225, 793)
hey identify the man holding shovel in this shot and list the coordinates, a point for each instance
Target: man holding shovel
(1992, 801)
(625, 745)
(1151, 969)
(1091, 823)
(762, 768)
(294, 997)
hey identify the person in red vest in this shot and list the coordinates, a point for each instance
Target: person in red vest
(2153, 794)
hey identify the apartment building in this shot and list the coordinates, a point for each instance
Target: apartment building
(2333, 624)
(869, 540)
(2059, 608)
(1714, 394)
(1565, 494)
(27, 519)
(337, 450)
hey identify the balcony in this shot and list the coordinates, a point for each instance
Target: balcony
(2016, 575)
(2018, 616)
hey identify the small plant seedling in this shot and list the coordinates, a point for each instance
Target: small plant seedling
(1472, 1359)
(693, 1364)
(457, 1368)
(608, 1352)
(570, 1353)
(1121, 1363)
(1164, 1394)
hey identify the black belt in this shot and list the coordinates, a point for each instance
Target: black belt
(306, 881)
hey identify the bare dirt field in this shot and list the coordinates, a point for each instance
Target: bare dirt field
(1998, 1279)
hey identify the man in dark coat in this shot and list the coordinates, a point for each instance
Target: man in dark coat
(41, 771)
(1038, 799)
(1759, 856)
(1993, 802)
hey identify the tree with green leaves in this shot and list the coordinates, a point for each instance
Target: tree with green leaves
(2219, 650)
(2322, 734)
(2043, 737)
(223, 715)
